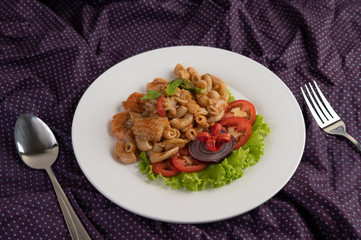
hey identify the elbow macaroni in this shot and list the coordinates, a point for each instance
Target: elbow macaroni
(186, 114)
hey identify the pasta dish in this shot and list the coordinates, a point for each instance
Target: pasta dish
(141, 128)
(180, 127)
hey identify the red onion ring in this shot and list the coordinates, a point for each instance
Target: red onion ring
(199, 151)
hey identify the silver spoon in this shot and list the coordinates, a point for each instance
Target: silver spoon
(38, 148)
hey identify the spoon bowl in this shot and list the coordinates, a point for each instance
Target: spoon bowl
(35, 142)
(38, 148)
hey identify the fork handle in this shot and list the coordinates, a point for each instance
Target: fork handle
(339, 128)
(353, 140)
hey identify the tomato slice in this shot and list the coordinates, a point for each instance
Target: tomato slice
(240, 128)
(186, 163)
(160, 109)
(166, 168)
(241, 108)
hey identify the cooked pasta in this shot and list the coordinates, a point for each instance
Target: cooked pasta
(208, 79)
(180, 112)
(201, 120)
(194, 76)
(192, 106)
(214, 95)
(141, 127)
(182, 123)
(191, 134)
(202, 100)
(181, 72)
(170, 133)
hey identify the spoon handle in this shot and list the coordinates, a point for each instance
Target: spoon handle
(76, 228)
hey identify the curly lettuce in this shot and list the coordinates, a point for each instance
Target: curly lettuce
(217, 175)
(231, 97)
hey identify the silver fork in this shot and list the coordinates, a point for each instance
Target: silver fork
(326, 118)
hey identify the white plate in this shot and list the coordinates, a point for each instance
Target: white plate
(128, 188)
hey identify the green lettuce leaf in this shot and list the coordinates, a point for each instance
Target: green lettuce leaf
(217, 175)
(145, 167)
(231, 97)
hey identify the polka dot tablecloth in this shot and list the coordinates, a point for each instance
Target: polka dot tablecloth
(52, 50)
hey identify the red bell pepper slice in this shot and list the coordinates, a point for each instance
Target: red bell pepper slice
(160, 109)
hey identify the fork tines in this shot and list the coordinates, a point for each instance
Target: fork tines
(320, 108)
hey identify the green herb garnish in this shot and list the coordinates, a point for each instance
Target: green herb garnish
(188, 85)
(151, 94)
(172, 87)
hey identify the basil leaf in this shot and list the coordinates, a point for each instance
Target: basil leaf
(151, 94)
(172, 87)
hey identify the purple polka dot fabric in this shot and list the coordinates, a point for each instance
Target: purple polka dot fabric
(52, 50)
